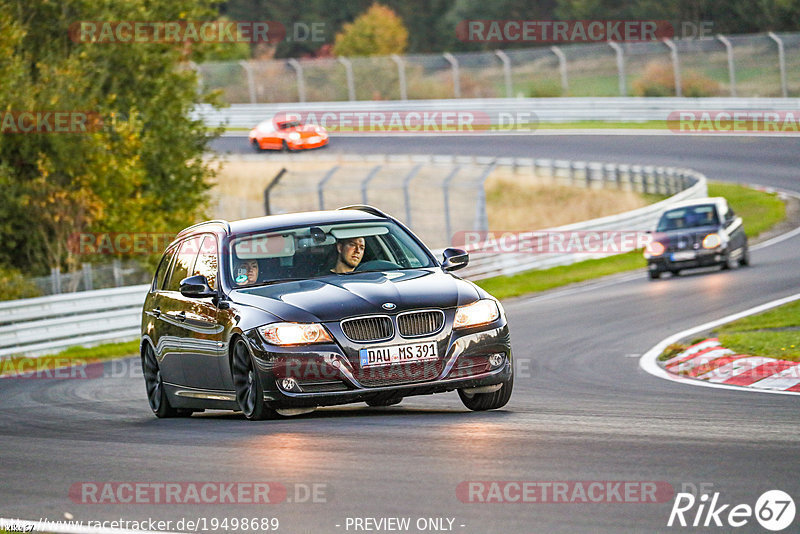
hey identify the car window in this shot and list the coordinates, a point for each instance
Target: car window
(207, 261)
(184, 263)
(163, 269)
(311, 251)
(688, 217)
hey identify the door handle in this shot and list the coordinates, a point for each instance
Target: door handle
(157, 312)
(181, 316)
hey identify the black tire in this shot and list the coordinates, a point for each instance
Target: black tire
(488, 401)
(256, 146)
(744, 259)
(247, 383)
(676, 272)
(285, 147)
(728, 263)
(653, 275)
(156, 395)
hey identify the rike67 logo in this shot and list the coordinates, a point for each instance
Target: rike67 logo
(774, 510)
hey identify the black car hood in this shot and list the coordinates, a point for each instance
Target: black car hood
(335, 297)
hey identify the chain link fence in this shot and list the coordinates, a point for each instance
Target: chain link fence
(759, 65)
(119, 273)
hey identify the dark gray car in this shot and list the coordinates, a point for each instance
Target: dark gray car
(697, 233)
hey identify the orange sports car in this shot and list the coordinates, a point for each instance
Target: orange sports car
(287, 133)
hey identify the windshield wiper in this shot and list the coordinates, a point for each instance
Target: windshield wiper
(272, 282)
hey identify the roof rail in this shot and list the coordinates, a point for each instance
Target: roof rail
(368, 209)
(222, 222)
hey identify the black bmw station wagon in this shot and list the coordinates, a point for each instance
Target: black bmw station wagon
(278, 315)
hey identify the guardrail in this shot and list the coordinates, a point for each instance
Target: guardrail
(646, 179)
(48, 324)
(45, 325)
(614, 109)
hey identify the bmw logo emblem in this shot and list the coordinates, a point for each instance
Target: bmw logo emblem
(389, 305)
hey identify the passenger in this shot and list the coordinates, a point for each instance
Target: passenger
(246, 272)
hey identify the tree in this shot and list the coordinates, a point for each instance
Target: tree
(140, 165)
(378, 32)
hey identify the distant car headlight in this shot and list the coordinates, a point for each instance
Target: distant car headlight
(654, 248)
(294, 136)
(712, 241)
(481, 312)
(295, 334)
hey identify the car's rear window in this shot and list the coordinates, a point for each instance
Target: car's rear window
(312, 251)
(688, 217)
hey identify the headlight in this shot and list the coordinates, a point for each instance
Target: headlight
(294, 136)
(295, 333)
(654, 248)
(478, 313)
(712, 241)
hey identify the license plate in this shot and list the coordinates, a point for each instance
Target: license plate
(682, 256)
(415, 352)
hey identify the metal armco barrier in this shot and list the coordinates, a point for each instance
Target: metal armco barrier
(45, 325)
(502, 112)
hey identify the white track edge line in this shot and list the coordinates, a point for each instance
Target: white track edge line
(648, 360)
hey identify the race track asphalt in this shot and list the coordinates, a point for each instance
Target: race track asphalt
(582, 409)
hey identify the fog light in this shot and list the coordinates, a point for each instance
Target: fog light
(288, 384)
(496, 359)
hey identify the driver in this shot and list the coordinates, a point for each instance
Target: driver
(350, 252)
(246, 272)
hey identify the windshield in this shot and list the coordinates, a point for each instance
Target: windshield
(325, 250)
(688, 217)
(291, 124)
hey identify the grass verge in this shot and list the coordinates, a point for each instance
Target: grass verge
(541, 280)
(772, 334)
(759, 211)
(83, 355)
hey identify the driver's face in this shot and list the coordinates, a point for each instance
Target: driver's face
(351, 251)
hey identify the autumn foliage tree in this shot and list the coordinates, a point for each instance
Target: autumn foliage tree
(140, 169)
(377, 32)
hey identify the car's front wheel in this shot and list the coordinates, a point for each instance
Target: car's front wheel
(156, 396)
(246, 382)
(744, 259)
(488, 401)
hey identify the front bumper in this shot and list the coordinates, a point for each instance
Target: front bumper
(702, 258)
(308, 142)
(323, 375)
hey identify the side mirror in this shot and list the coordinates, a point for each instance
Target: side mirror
(454, 258)
(196, 287)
